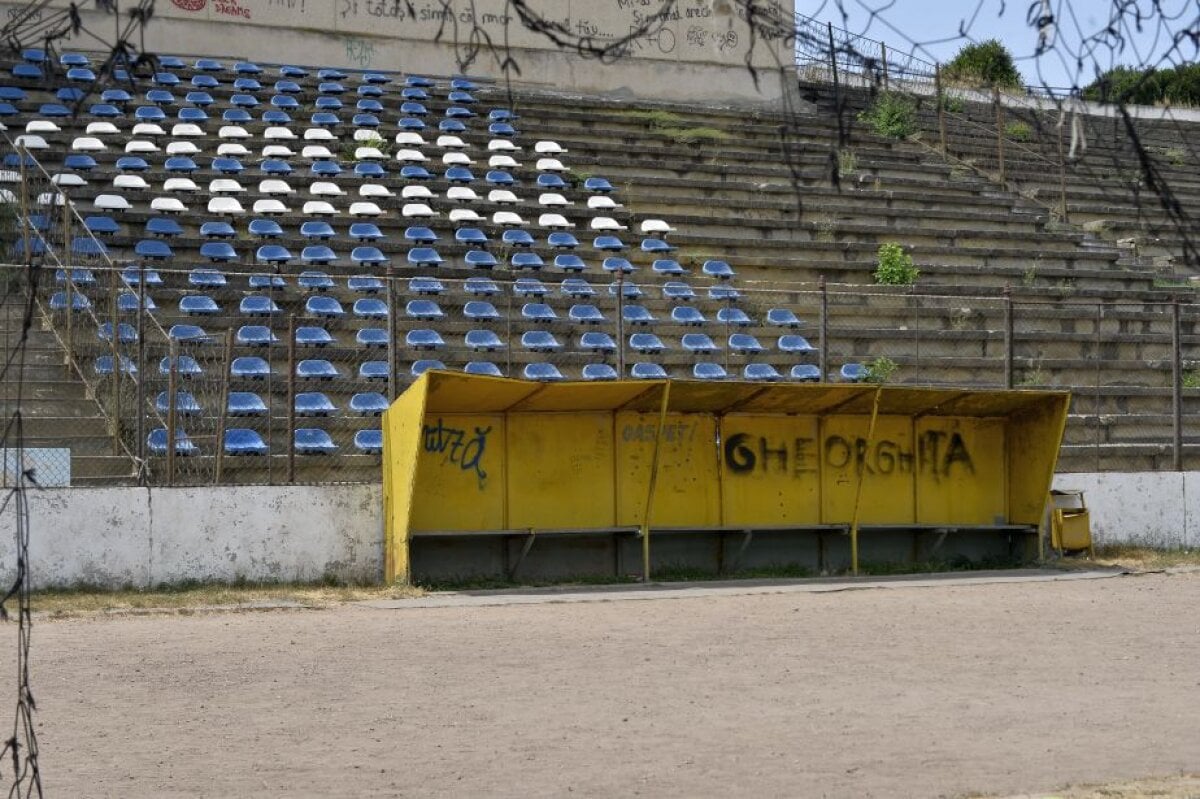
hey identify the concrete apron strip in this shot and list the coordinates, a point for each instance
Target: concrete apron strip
(693, 590)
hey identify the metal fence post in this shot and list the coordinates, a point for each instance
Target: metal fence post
(172, 385)
(999, 131)
(140, 419)
(291, 400)
(393, 366)
(837, 89)
(223, 409)
(883, 51)
(1176, 390)
(823, 322)
(941, 105)
(1008, 337)
(1062, 180)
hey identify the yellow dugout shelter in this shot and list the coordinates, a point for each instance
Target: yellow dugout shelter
(629, 474)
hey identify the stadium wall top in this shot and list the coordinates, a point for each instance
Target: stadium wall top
(689, 50)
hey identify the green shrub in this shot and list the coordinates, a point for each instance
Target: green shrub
(951, 105)
(892, 115)
(1018, 131)
(880, 370)
(1191, 379)
(987, 63)
(894, 267)
(1178, 85)
(847, 162)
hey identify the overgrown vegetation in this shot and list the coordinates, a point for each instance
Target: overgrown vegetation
(1191, 378)
(1034, 377)
(350, 148)
(984, 64)
(1174, 85)
(880, 370)
(847, 162)
(950, 104)
(1018, 131)
(894, 267)
(674, 127)
(892, 115)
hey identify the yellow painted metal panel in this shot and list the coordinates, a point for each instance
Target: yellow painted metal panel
(456, 392)
(771, 470)
(886, 465)
(961, 471)
(401, 426)
(1034, 437)
(560, 470)
(686, 493)
(461, 473)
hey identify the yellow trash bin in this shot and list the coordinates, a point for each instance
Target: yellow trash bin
(1070, 527)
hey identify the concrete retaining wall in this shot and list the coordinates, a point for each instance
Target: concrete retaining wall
(701, 51)
(1156, 509)
(141, 537)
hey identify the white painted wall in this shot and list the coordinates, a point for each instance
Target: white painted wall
(114, 537)
(1156, 509)
(141, 537)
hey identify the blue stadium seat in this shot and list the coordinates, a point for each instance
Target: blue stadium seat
(318, 255)
(205, 82)
(316, 369)
(227, 166)
(127, 302)
(782, 317)
(542, 372)
(265, 281)
(266, 229)
(311, 280)
(656, 246)
(243, 441)
(675, 290)
(373, 370)
(698, 343)
(577, 288)
(190, 333)
(365, 231)
(202, 278)
(596, 341)
(372, 337)
(258, 305)
(569, 262)
(723, 292)
(733, 316)
(540, 341)
(103, 365)
(598, 185)
(853, 373)
(550, 181)
(616, 264)
(368, 403)
(561, 240)
(217, 230)
(480, 311)
(761, 371)
(480, 259)
(608, 244)
(744, 344)
(483, 341)
(198, 305)
(709, 371)
(646, 343)
(370, 308)
(420, 235)
(424, 339)
(314, 403)
(328, 104)
(481, 287)
(794, 344)
(458, 174)
(517, 238)
(369, 442)
(156, 442)
(79, 162)
(132, 163)
(254, 336)
(645, 370)
(470, 236)
(585, 314)
(315, 230)
(313, 441)
(530, 287)
(273, 254)
(538, 312)
(163, 226)
(311, 336)
(364, 284)
(237, 116)
(219, 251)
(638, 315)
(483, 368)
(126, 333)
(599, 371)
(425, 285)
(424, 256)
(424, 365)
(426, 310)
(687, 315)
(185, 366)
(185, 403)
(806, 373)
(323, 306)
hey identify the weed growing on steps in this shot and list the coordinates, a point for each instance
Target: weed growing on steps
(894, 267)
(891, 115)
(880, 370)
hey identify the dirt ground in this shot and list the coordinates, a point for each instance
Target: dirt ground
(996, 689)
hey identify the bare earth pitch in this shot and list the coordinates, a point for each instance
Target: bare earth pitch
(1000, 688)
